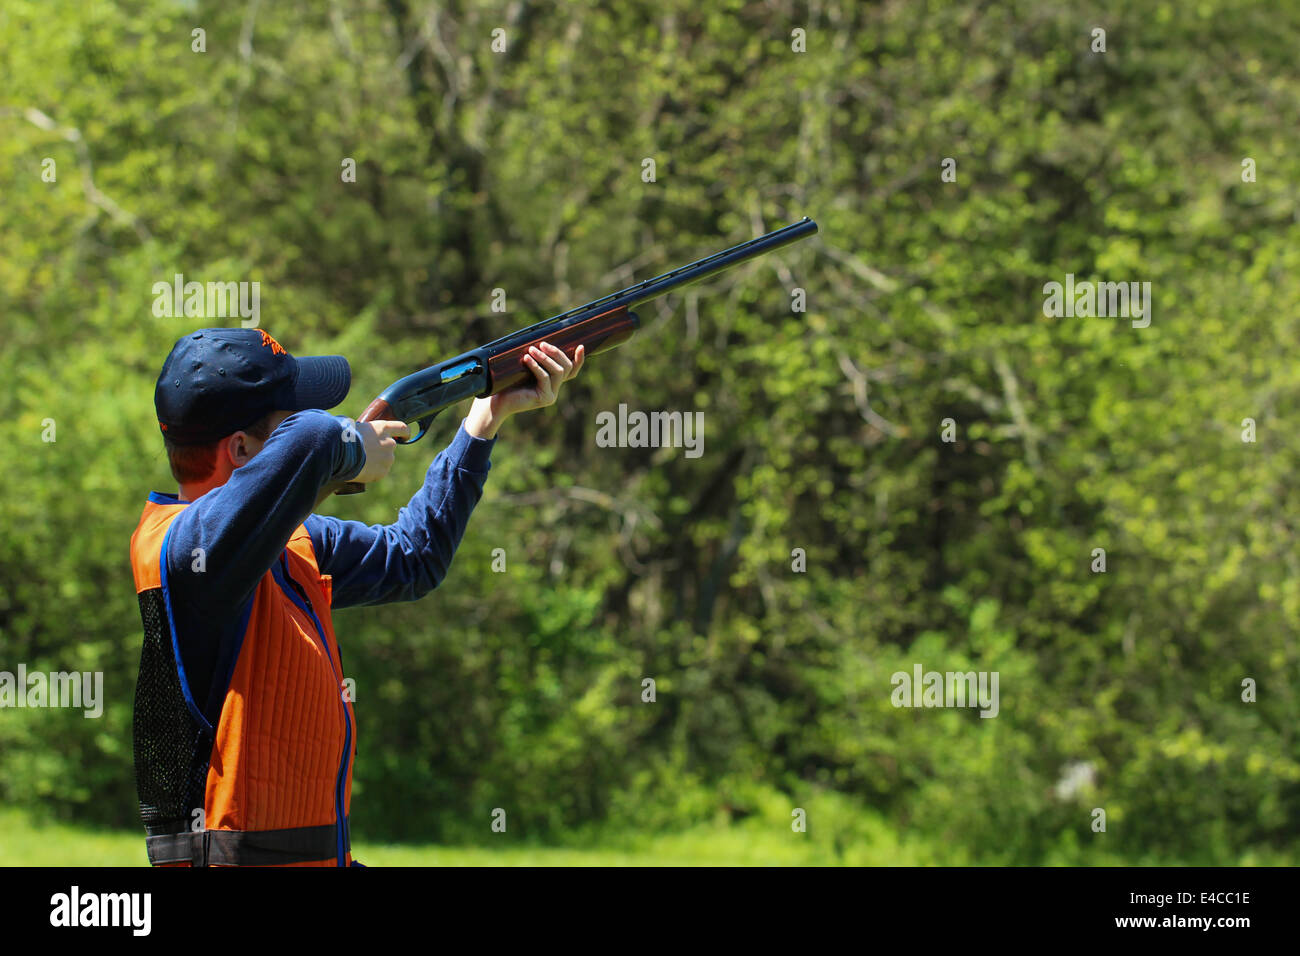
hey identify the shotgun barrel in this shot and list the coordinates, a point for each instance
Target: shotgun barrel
(643, 292)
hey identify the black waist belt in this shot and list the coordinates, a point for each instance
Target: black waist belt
(247, 847)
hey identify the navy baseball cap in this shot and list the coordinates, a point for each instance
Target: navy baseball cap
(217, 381)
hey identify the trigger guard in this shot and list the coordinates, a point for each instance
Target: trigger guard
(424, 424)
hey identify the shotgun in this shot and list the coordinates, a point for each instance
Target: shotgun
(600, 326)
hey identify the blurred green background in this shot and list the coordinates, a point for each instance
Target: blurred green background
(521, 170)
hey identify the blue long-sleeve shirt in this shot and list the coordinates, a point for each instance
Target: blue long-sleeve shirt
(219, 547)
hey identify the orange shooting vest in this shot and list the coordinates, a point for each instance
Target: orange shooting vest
(273, 778)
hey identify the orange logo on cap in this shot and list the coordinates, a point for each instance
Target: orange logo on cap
(276, 347)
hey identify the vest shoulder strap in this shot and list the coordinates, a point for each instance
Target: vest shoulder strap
(147, 542)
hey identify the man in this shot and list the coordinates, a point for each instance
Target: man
(244, 734)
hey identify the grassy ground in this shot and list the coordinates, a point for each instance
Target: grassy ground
(24, 842)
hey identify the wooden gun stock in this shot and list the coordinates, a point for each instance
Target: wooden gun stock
(600, 333)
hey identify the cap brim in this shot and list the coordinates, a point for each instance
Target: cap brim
(322, 381)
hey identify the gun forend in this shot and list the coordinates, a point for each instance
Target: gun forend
(598, 333)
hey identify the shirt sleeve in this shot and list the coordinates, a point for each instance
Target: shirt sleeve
(402, 561)
(219, 546)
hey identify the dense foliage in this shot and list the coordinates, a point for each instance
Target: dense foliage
(522, 170)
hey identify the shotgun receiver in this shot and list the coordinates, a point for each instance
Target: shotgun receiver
(600, 326)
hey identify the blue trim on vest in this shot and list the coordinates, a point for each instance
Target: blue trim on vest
(162, 498)
(171, 626)
(217, 699)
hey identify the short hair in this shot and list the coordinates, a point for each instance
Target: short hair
(193, 463)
